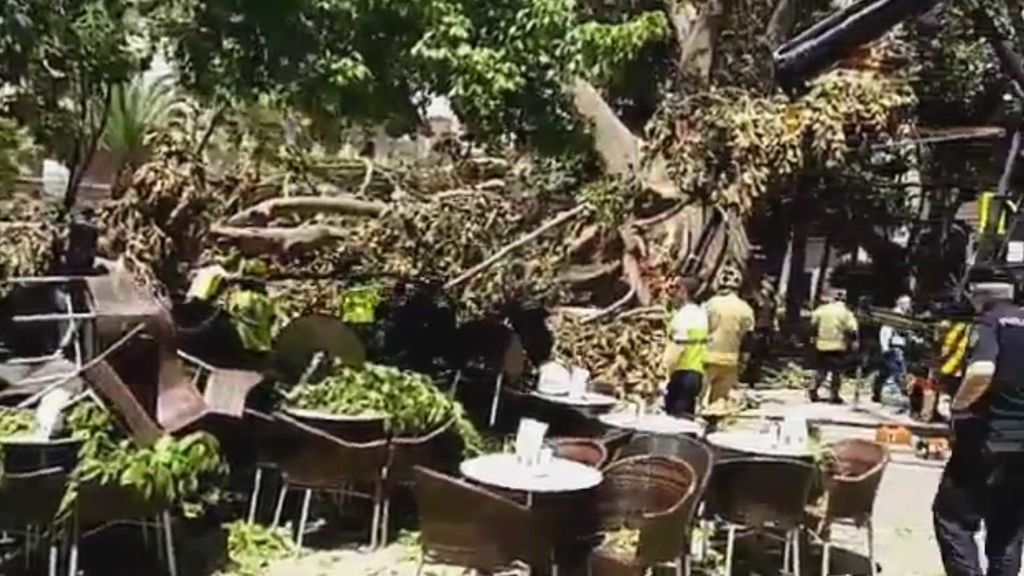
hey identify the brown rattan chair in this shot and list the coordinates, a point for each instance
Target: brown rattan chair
(321, 463)
(761, 495)
(468, 526)
(439, 450)
(29, 504)
(851, 485)
(694, 452)
(583, 450)
(652, 494)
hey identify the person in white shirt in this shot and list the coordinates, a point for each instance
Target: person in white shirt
(893, 342)
(684, 354)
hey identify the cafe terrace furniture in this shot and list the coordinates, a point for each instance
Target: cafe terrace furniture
(466, 525)
(583, 450)
(656, 495)
(588, 402)
(758, 444)
(438, 450)
(761, 495)
(29, 505)
(505, 472)
(653, 423)
(851, 485)
(322, 463)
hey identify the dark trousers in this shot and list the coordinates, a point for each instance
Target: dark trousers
(830, 367)
(892, 371)
(976, 486)
(682, 393)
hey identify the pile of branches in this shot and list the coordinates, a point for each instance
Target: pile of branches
(160, 224)
(30, 238)
(625, 352)
(732, 146)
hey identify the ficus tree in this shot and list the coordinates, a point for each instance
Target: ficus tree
(59, 63)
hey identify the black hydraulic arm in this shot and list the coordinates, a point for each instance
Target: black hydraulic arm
(837, 37)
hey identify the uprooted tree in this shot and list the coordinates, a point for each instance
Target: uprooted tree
(601, 229)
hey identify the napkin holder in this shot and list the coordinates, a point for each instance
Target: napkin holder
(578, 382)
(794, 431)
(554, 379)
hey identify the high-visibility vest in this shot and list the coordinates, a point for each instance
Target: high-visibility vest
(954, 349)
(991, 213)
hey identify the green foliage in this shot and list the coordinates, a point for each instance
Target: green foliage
(60, 61)
(16, 422)
(182, 471)
(252, 548)
(255, 316)
(733, 146)
(15, 149)
(360, 304)
(502, 63)
(137, 109)
(604, 49)
(411, 402)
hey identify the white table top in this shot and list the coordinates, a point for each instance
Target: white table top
(502, 471)
(589, 399)
(653, 423)
(756, 443)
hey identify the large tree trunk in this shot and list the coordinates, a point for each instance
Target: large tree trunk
(697, 55)
(619, 148)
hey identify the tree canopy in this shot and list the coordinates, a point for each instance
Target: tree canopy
(503, 64)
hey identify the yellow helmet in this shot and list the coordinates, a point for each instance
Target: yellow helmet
(729, 278)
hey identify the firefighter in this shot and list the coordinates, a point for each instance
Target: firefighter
(730, 320)
(835, 335)
(981, 481)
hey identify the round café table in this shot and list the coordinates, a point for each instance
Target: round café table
(757, 444)
(560, 491)
(662, 424)
(503, 471)
(592, 402)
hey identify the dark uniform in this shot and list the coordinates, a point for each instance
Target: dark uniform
(984, 477)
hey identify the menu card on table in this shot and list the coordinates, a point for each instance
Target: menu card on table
(793, 432)
(530, 441)
(578, 382)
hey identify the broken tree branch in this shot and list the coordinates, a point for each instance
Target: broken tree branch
(590, 272)
(308, 205)
(260, 240)
(615, 306)
(510, 248)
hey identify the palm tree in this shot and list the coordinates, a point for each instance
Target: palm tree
(137, 110)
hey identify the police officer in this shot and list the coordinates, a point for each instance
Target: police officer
(983, 478)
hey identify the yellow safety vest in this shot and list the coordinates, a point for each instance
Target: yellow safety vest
(991, 214)
(954, 349)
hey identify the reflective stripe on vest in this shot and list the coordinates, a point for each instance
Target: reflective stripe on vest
(954, 350)
(991, 212)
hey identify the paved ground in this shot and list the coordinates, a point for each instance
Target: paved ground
(905, 545)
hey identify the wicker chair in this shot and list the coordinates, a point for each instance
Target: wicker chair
(465, 525)
(851, 486)
(694, 452)
(583, 450)
(29, 504)
(652, 494)
(322, 463)
(761, 495)
(439, 450)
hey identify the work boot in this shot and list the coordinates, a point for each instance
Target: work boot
(812, 394)
(836, 399)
